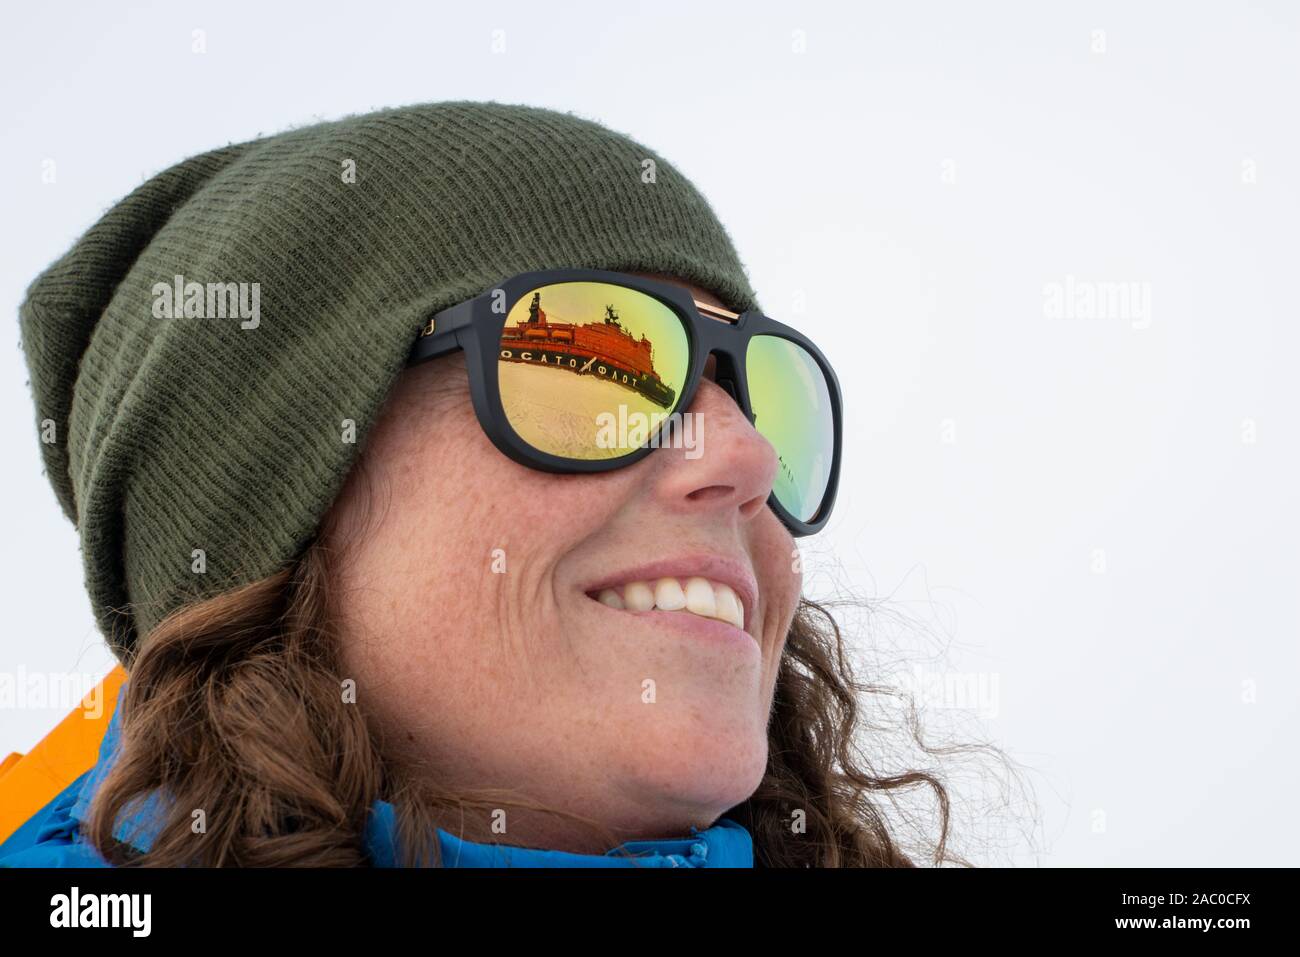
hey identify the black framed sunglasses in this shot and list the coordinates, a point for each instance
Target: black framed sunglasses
(586, 370)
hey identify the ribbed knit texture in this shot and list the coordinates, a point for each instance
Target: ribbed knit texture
(177, 434)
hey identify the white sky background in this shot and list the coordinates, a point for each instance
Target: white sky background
(916, 177)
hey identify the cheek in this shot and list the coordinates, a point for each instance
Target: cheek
(447, 597)
(410, 530)
(780, 571)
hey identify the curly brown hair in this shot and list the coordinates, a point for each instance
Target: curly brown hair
(234, 707)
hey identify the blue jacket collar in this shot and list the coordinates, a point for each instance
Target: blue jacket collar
(725, 844)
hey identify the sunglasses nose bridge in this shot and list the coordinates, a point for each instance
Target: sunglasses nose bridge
(725, 376)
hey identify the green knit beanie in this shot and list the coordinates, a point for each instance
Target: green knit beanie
(198, 449)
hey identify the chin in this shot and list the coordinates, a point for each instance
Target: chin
(697, 763)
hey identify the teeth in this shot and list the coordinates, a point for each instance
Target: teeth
(728, 605)
(669, 595)
(696, 594)
(699, 598)
(638, 596)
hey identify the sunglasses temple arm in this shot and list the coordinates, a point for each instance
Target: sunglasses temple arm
(431, 347)
(442, 333)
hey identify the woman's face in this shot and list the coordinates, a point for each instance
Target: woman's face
(471, 629)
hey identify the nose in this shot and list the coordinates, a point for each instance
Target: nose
(720, 465)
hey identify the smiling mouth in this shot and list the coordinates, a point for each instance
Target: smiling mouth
(695, 595)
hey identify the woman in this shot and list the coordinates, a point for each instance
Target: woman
(550, 616)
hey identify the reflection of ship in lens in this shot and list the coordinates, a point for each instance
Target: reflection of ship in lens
(603, 349)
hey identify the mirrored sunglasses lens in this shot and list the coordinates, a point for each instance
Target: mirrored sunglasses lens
(792, 407)
(589, 370)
